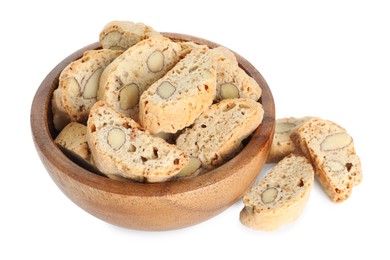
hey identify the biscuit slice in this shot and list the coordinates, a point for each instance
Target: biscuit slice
(225, 52)
(73, 141)
(331, 151)
(232, 81)
(73, 138)
(121, 35)
(121, 147)
(280, 197)
(216, 134)
(177, 99)
(78, 86)
(282, 145)
(123, 82)
(189, 46)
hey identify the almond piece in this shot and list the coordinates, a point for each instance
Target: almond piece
(193, 165)
(165, 90)
(129, 96)
(155, 61)
(269, 195)
(92, 85)
(229, 90)
(336, 142)
(334, 165)
(73, 86)
(116, 138)
(163, 135)
(111, 37)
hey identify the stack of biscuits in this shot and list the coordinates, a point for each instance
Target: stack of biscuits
(149, 109)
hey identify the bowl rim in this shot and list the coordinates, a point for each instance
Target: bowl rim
(51, 154)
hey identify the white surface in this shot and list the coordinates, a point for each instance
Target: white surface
(330, 60)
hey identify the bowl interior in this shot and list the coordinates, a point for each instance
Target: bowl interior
(44, 134)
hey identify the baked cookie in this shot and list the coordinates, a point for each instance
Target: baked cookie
(279, 198)
(121, 147)
(78, 85)
(177, 99)
(123, 82)
(232, 81)
(73, 138)
(189, 46)
(225, 52)
(121, 35)
(282, 145)
(331, 151)
(216, 134)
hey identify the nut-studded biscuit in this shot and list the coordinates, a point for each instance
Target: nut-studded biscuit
(282, 145)
(187, 47)
(331, 151)
(121, 147)
(123, 82)
(177, 99)
(232, 81)
(216, 134)
(78, 86)
(280, 197)
(73, 138)
(121, 35)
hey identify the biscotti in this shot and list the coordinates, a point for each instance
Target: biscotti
(124, 81)
(331, 150)
(121, 147)
(217, 133)
(121, 35)
(78, 86)
(232, 81)
(228, 54)
(187, 47)
(74, 139)
(280, 196)
(282, 145)
(177, 99)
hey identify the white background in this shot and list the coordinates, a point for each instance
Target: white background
(329, 59)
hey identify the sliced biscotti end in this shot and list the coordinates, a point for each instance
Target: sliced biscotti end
(226, 53)
(280, 197)
(60, 117)
(219, 52)
(187, 47)
(121, 147)
(217, 133)
(121, 35)
(282, 145)
(74, 139)
(134, 71)
(331, 151)
(177, 99)
(78, 87)
(233, 82)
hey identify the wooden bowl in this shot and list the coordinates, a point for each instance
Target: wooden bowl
(158, 206)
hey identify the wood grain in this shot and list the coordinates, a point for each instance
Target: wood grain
(159, 206)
